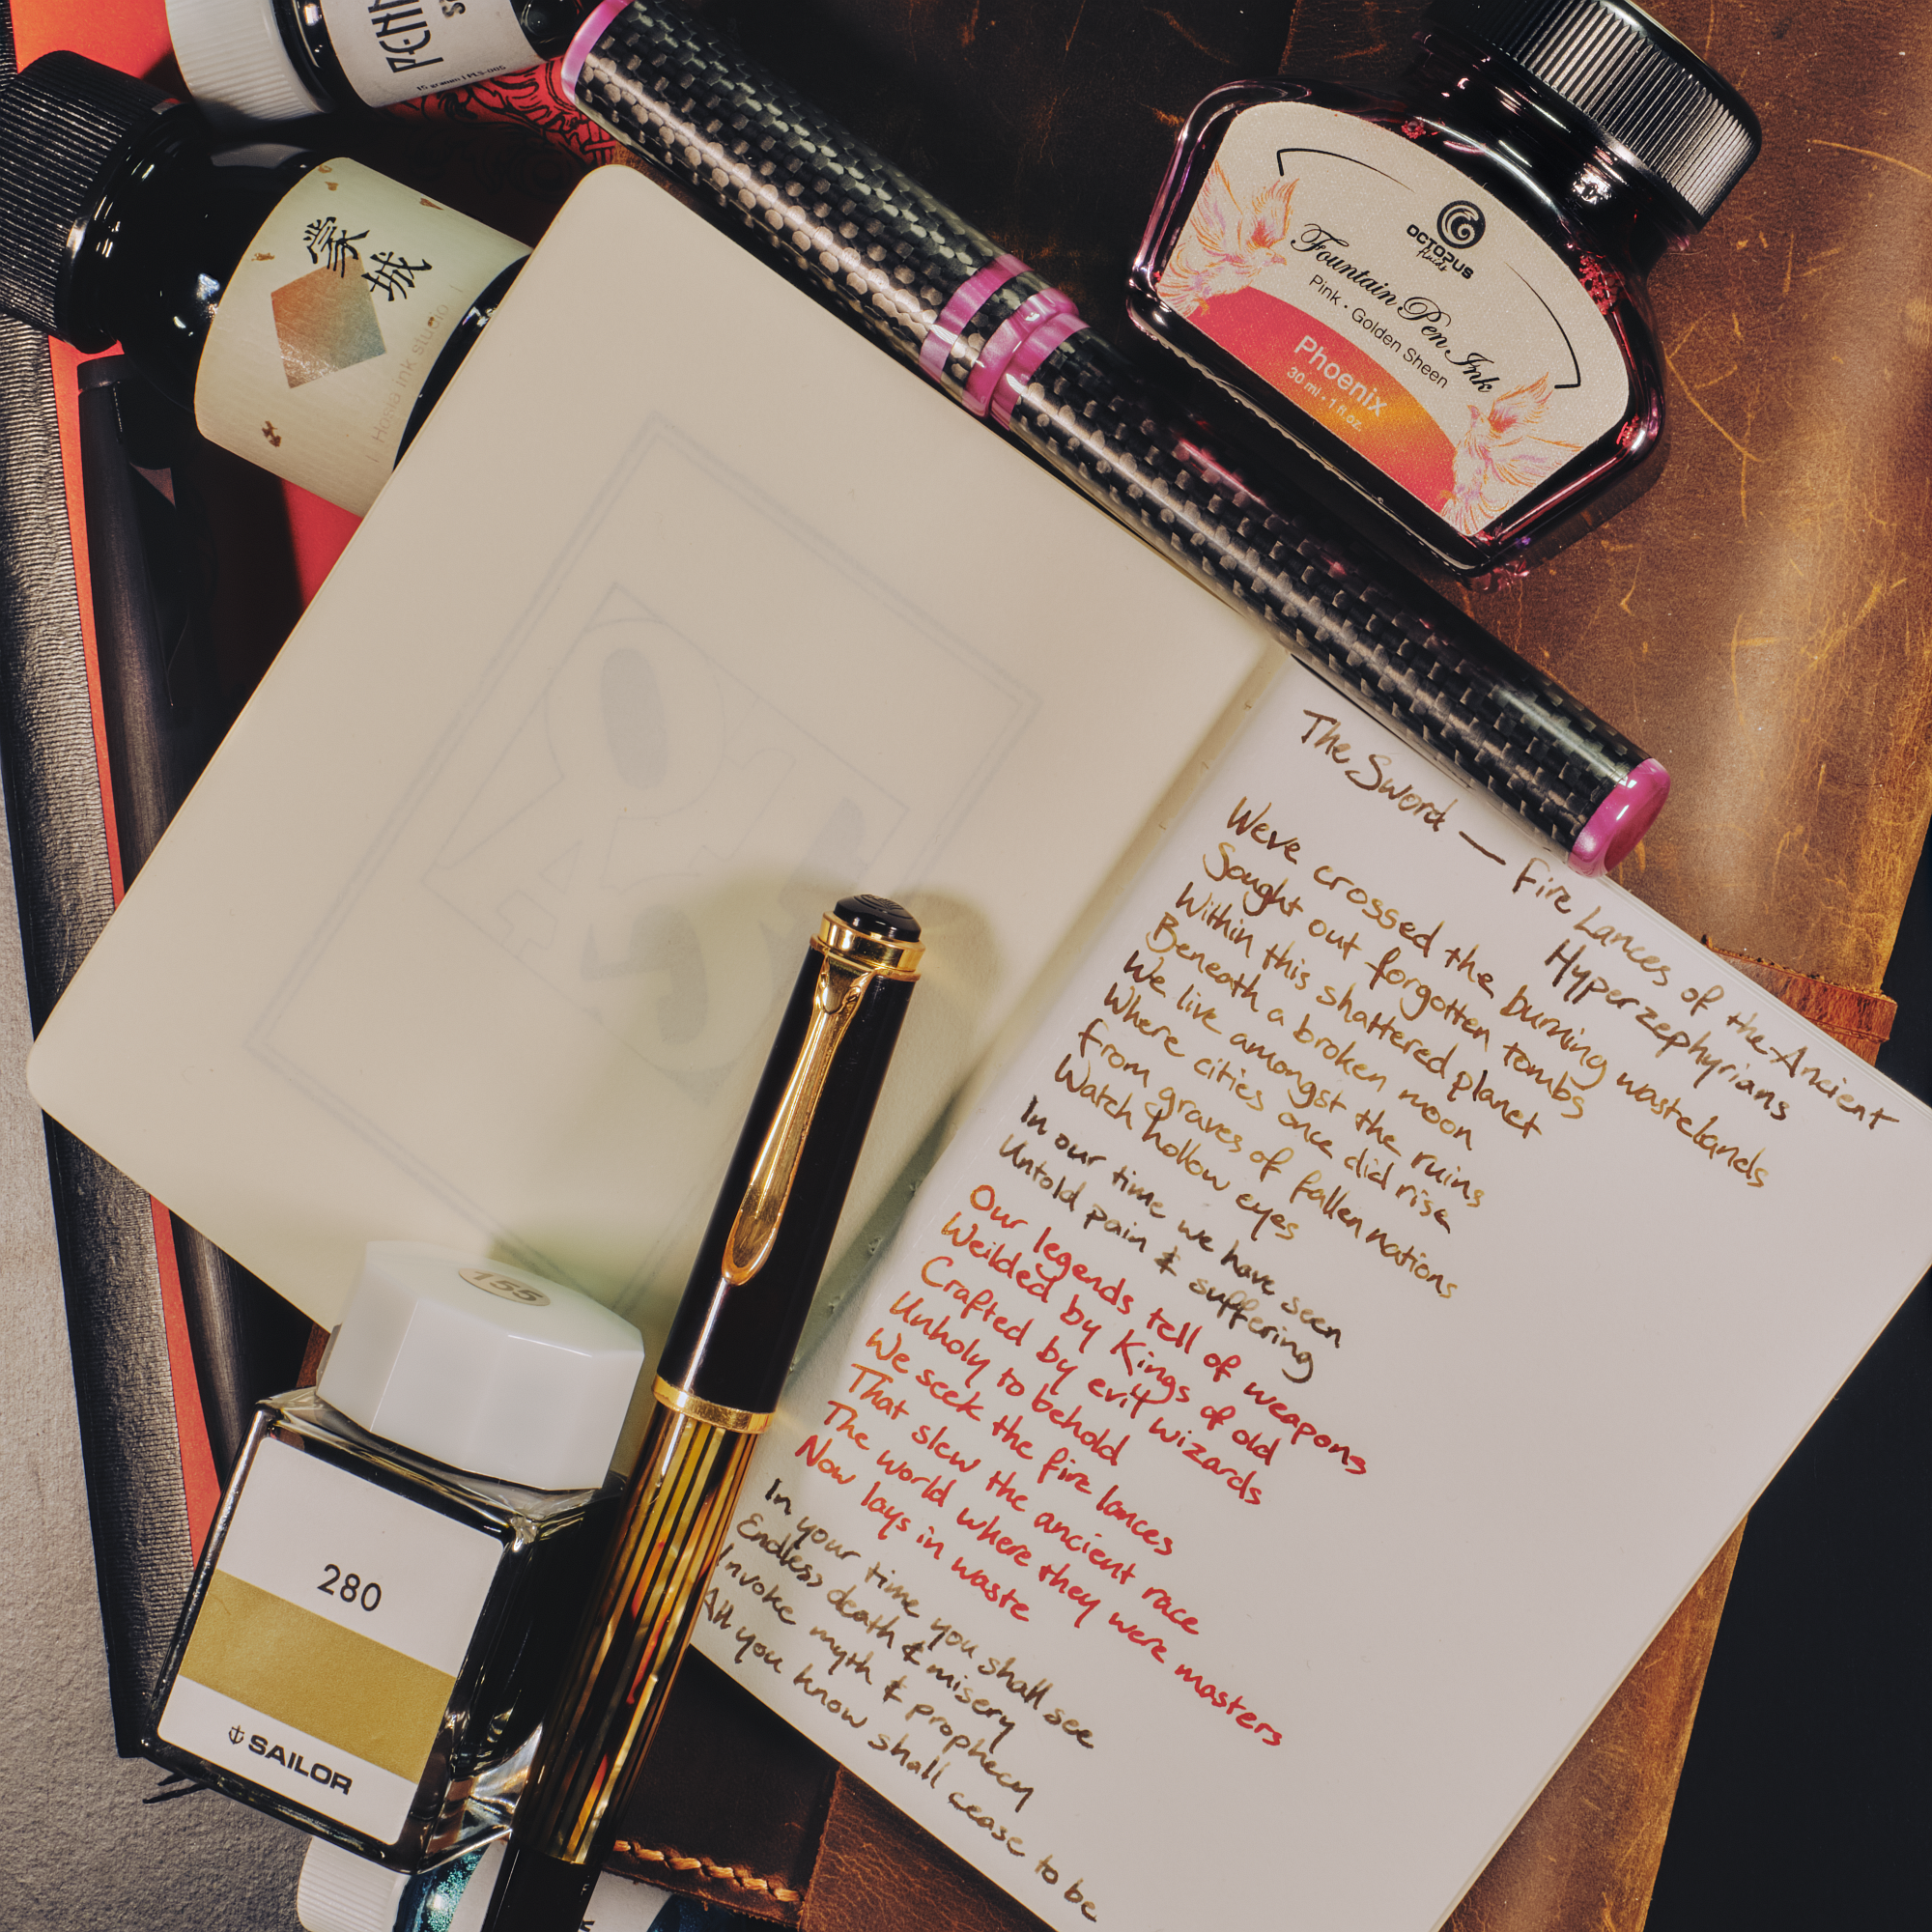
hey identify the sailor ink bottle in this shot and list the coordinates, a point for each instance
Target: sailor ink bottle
(278, 60)
(377, 1621)
(1439, 294)
(309, 310)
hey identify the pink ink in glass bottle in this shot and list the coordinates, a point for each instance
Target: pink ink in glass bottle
(1438, 293)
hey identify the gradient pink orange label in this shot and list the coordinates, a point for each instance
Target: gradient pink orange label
(1343, 388)
(1321, 281)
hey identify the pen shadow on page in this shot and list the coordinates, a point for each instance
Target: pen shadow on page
(708, 973)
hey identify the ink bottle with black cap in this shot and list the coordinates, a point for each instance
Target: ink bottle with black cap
(378, 1620)
(1439, 292)
(309, 310)
(280, 60)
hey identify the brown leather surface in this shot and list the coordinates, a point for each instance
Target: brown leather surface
(1048, 124)
(310, 1371)
(880, 1872)
(731, 1800)
(1758, 621)
(1861, 1021)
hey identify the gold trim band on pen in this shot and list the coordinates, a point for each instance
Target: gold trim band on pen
(890, 958)
(681, 1402)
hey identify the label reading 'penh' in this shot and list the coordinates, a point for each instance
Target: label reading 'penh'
(331, 323)
(397, 50)
(1397, 305)
(330, 1640)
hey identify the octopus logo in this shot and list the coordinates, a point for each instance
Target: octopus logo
(1461, 224)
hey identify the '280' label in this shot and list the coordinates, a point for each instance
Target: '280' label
(328, 1641)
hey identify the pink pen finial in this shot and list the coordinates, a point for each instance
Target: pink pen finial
(1621, 820)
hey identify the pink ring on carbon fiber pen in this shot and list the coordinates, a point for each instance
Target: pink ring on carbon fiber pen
(1039, 343)
(587, 36)
(1007, 341)
(965, 302)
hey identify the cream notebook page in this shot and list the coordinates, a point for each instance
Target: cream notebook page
(1305, 1384)
(689, 613)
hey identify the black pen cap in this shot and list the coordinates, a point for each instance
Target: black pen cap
(753, 1282)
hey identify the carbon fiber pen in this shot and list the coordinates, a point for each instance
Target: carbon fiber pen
(717, 1384)
(943, 298)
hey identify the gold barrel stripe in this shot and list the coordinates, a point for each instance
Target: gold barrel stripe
(665, 1607)
(653, 1559)
(679, 1510)
(311, 1674)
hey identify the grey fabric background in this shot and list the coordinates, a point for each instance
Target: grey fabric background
(81, 1849)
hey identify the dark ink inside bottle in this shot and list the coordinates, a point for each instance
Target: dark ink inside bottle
(1439, 292)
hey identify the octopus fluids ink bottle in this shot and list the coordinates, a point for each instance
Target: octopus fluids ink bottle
(1439, 294)
(309, 310)
(278, 60)
(373, 1631)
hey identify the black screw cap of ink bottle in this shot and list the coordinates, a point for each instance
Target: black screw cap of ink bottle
(280, 60)
(123, 218)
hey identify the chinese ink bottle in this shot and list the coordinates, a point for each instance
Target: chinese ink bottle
(278, 60)
(1439, 294)
(309, 310)
(399, 1558)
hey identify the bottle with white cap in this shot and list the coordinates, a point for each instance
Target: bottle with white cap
(280, 60)
(369, 1640)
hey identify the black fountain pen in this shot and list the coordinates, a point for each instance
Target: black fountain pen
(717, 1384)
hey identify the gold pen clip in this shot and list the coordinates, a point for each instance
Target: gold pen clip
(852, 960)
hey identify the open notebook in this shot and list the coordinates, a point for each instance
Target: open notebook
(687, 613)
(1379, 1273)
(1323, 1360)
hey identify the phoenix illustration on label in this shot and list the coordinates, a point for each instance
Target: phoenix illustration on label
(1440, 293)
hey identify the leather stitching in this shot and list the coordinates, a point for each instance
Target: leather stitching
(724, 1874)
